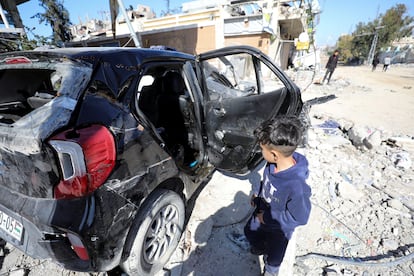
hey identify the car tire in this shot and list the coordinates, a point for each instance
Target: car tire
(155, 233)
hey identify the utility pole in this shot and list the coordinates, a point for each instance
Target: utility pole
(168, 7)
(373, 45)
(114, 6)
(131, 28)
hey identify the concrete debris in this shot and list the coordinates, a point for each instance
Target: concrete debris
(349, 191)
(373, 140)
(401, 160)
(406, 143)
(364, 201)
(341, 83)
(362, 136)
(396, 204)
(389, 244)
(345, 125)
(18, 272)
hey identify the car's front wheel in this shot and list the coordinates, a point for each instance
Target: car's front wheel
(155, 234)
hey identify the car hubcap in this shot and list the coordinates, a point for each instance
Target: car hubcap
(162, 233)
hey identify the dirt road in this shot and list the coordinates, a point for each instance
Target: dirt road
(384, 100)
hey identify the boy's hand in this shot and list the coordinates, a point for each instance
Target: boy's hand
(259, 216)
(252, 200)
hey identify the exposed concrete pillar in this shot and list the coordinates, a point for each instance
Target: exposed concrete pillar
(3, 17)
(14, 12)
(219, 28)
(131, 28)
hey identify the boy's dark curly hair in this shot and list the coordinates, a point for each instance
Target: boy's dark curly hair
(284, 133)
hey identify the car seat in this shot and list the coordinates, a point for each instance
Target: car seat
(170, 117)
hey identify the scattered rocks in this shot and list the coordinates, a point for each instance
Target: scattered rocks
(389, 244)
(401, 160)
(349, 191)
(359, 185)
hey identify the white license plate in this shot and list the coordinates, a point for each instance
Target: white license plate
(11, 226)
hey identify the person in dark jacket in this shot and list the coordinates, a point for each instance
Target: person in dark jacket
(331, 65)
(375, 62)
(282, 202)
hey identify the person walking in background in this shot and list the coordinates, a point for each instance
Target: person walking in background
(330, 66)
(375, 62)
(387, 62)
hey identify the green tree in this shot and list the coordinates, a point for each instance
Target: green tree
(344, 46)
(7, 45)
(396, 25)
(57, 17)
(362, 38)
(392, 25)
(36, 41)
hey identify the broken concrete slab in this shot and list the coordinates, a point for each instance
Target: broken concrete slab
(401, 160)
(373, 140)
(349, 191)
(357, 134)
(406, 143)
(397, 204)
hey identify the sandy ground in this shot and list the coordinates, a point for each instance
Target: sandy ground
(384, 100)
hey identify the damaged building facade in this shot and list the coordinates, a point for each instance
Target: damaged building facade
(273, 26)
(11, 25)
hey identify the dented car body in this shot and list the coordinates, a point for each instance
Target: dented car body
(101, 148)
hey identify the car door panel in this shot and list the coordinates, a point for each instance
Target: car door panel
(242, 88)
(231, 124)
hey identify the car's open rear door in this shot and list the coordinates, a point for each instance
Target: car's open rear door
(241, 88)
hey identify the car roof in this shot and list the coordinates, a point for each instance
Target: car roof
(124, 55)
(124, 61)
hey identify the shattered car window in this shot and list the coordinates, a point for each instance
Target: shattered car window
(237, 76)
(269, 81)
(230, 76)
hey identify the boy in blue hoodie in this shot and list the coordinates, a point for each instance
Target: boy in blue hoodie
(282, 202)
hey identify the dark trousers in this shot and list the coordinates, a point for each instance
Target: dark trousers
(328, 74)
(272, 242)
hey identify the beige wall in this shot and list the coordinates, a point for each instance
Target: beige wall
(201, 39)
(207, 39)
(190, 40)
(260, 41)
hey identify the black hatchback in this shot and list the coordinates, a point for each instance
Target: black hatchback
(102, 148)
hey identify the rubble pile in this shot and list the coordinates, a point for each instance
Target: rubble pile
(363, 202)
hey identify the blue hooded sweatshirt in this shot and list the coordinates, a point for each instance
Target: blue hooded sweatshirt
(287, 197)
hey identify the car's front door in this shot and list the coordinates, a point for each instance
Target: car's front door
(241, 88)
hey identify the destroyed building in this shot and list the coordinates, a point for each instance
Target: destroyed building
(11, 25)
(273, 26)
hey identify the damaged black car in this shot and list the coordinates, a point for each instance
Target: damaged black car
(101, 149)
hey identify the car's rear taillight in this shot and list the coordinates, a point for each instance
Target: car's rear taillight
(78, 246)
(86, 157)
